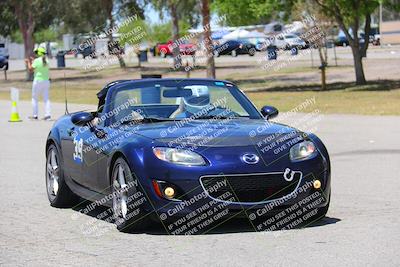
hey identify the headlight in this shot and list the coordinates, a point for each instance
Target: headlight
(178, 156)
(302, 150)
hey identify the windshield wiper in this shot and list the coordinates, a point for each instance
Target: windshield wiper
(209, 117)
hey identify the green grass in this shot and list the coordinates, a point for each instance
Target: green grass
(345, 102)
(380, 97)
(334, 101)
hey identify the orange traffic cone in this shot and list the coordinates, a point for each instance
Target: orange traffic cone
(14, 113)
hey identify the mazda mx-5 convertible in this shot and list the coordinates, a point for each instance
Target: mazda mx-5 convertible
(188, 153)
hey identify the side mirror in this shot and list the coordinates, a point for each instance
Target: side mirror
(82, 118)
(269, 112)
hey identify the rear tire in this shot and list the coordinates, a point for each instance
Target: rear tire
(58, 192)
(127, 218)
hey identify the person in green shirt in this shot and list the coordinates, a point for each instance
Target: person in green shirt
(41, 83)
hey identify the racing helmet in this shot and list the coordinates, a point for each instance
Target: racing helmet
(199, 99)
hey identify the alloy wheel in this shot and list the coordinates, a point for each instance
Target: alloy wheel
(52, 173)
(120, 192)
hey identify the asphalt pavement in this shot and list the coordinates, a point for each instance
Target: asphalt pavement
(362, 227)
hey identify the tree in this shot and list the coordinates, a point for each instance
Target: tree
(83, 16)
(134, 33)
(318, 23)
(108, 6)
(96, 17)
(172, 7)
(30, 16)
(241, 13)
(46, 35)
(33, 16)
(205, 12)
(161, 32)
(176, 9)
(349, 14)
(126, 8)
(8, 23)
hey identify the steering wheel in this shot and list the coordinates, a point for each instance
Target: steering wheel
(215, 107)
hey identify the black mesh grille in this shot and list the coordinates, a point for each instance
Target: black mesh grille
(250, 188)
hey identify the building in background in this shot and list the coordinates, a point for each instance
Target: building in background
(13, 50)
(390, 26)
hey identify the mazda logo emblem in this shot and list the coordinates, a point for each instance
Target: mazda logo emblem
(250, 158)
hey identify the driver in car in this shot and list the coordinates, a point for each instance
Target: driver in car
(190, 105)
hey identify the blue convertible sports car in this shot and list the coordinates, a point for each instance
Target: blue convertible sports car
(181, 150)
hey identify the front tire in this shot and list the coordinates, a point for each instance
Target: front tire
(58, 192)
(323, 211)
(128, 217)
(252, 52)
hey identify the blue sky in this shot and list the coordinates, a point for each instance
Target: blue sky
(153, 16)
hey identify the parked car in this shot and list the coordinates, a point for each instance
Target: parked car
(185, 48)
(377, 39)
(3, 62)
(286, 41)
(261, 46)
(4, 51)
(341, 40)
(234, 48)
(3, 57)
(86, 51)
(374, 36)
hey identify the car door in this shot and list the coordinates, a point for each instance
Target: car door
(71, 153)
(222, 49)
(234, 46)
(280, 42)
(90, 147)
(110, 140)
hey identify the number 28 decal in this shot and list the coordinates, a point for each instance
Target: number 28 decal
(78, 153)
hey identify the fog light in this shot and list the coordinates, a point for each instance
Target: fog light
(169, 192)
(317, 184)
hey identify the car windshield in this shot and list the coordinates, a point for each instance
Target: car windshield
(197, 101)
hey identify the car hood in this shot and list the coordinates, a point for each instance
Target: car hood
(235, 132)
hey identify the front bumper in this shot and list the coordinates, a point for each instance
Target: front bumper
(195, 197)
(199, 198)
